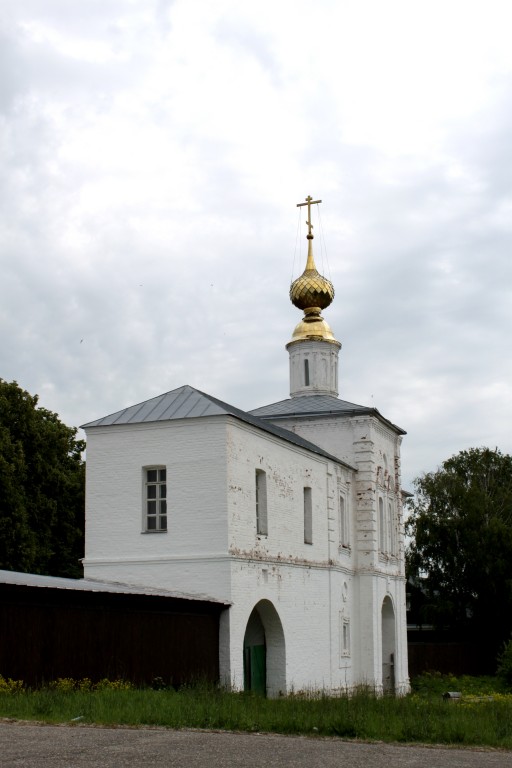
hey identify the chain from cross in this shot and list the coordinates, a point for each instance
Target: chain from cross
(309, 202)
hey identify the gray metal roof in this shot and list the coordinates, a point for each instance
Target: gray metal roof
(186, 403)
(318, 405)
(182, 403)
(90, 585)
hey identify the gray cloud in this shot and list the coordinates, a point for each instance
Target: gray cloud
(152, 162)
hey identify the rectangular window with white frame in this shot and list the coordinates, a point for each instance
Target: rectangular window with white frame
(155, 499)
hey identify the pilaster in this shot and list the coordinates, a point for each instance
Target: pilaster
(366, 517)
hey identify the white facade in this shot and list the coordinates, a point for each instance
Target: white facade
(291, 514)
(333, 611)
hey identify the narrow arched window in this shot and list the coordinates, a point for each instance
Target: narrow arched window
(308, 517)
(261, 503)
(343, 523)
(306, 372)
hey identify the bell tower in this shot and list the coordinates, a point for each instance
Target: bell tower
(313, 349)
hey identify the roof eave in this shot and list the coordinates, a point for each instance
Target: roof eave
(338, 414)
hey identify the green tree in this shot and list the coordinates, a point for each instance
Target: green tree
(42, 488)
(461, 552)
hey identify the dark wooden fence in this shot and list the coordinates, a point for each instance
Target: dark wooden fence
(49, 633)
(448, 658)
(449, 652)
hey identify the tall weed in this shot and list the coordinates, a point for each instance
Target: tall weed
(482, 717)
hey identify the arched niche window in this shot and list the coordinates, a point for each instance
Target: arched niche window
(344, 636)
(306, 372)
(382, 526)
(392, 529)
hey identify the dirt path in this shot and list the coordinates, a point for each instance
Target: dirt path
(42, 746)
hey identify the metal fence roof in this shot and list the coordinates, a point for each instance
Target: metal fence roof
(91, 585)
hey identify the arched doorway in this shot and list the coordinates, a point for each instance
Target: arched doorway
(264, 651)
(388, 646)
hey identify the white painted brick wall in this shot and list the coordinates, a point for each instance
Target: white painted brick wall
(288, 471)
(117, 548)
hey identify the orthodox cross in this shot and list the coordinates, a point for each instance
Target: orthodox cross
(309, 202)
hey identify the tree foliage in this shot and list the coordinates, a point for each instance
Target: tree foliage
(461, 550)
(42, 488)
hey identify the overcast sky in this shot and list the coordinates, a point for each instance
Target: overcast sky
(152, 156)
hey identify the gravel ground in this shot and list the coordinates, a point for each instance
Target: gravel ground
(63, 746)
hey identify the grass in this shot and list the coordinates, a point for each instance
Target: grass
(483, 717)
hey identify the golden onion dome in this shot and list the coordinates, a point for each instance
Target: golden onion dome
(311, 289)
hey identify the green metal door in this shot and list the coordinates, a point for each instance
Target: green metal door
(259, 669)
(255, 669)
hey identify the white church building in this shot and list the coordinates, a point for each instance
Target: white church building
(291, 514)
